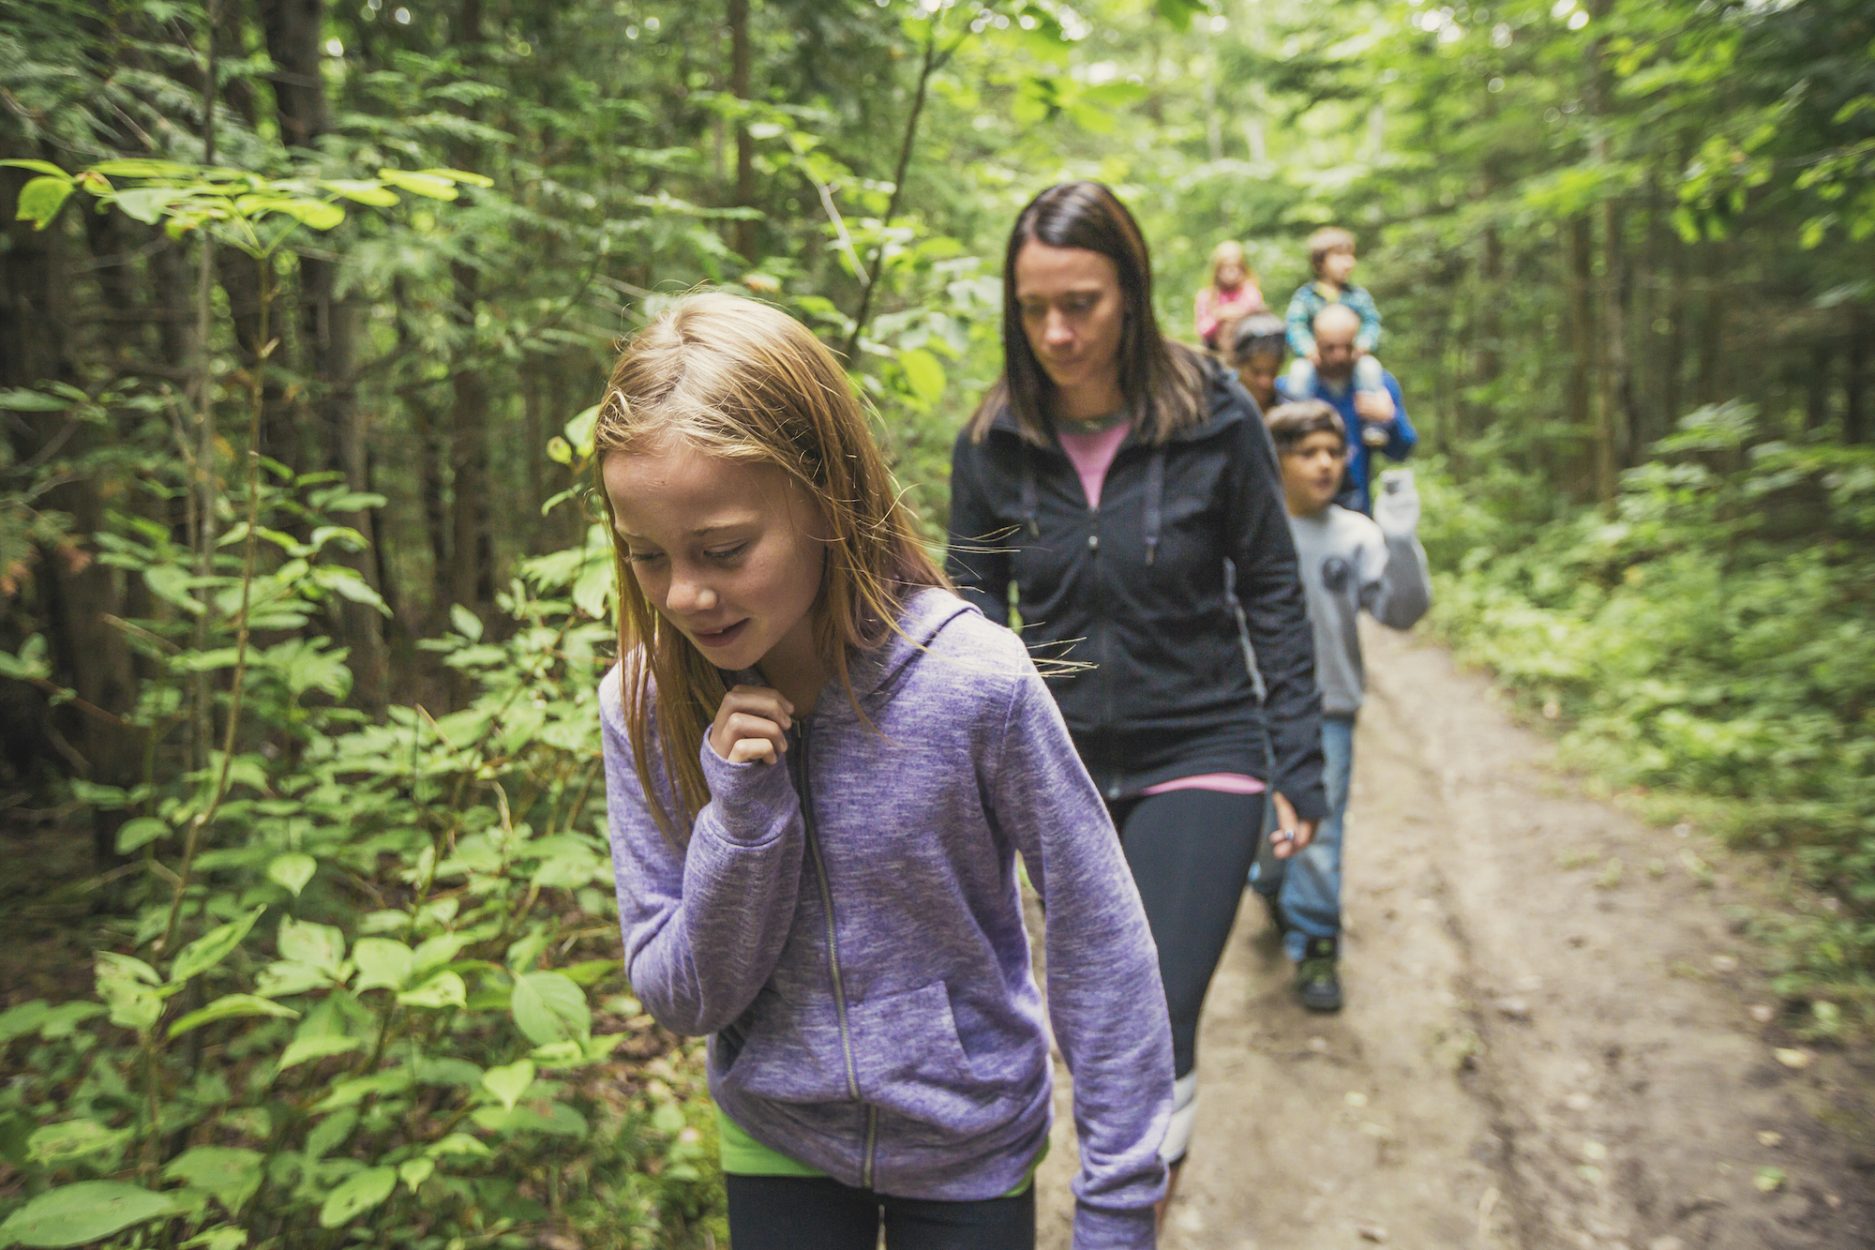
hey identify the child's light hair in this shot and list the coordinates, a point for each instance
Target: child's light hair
(1292, 422)
(744, 381)
(1327, 241)
(1228, 252)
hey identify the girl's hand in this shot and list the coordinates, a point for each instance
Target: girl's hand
(752, 724)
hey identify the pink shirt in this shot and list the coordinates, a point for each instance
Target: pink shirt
(1091, 453)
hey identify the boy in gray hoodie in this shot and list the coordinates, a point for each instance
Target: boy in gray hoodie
(1350, 564)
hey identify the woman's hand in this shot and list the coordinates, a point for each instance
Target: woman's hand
(1291, 834)
(752, 724)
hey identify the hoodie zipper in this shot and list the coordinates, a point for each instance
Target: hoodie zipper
(833, 963)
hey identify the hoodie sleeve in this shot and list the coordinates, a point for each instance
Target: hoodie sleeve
(1400, 590)
(1269, 587)
(977, 557)
(704, 923)
(1105, 999)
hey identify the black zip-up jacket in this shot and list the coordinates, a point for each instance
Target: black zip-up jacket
(1137, 588)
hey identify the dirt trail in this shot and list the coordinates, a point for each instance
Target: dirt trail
(1540, 1050)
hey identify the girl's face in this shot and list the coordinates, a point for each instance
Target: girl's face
(728, 551)
(1230, 273)
(1072, 314)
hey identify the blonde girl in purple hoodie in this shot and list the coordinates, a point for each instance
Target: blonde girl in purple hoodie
(821, 765)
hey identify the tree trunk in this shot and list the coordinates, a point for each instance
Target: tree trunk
(1582, 343)
(327, 334)
(78, 594)
(1855, 416)
(742, 238)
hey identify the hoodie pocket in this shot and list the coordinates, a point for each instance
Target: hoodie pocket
(776, 1050)
(913, 1064)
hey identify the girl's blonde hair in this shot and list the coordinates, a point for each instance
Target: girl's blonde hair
(744, 381)
(1230, 250)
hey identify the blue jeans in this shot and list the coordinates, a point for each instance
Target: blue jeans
(1307, 886)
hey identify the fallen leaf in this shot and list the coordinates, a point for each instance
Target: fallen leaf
(1372, 1232)
(1725, 963)
(1769, 1180)
(1769, 1139)
(1763, 1013)
(1791, 1057)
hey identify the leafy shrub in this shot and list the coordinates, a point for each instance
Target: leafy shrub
(1710, 637)
(370, 990)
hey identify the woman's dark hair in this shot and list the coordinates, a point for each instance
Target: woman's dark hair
(1162, 381)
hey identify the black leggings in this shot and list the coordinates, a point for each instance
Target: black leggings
(819, 1213)
(1190, 851)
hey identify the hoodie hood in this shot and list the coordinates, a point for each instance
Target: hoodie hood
(927, 611)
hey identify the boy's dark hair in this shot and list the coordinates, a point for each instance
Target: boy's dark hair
(1328, 239)
(1261, 334)
(1292, 422)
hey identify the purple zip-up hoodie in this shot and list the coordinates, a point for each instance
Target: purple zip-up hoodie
(847, 926)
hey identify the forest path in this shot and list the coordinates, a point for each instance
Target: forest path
(1548, 1040)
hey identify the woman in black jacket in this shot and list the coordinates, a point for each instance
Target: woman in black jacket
(1110, 476)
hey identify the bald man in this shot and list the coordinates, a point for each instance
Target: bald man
(1363, 410)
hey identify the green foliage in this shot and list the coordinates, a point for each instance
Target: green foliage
(420, 1062)
(1709, 640)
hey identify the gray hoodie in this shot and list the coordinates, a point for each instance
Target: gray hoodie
(848, 929)
(1352, 563)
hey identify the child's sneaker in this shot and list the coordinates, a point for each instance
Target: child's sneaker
(1317, 984)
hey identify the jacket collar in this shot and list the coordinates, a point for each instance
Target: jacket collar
(1226, 402)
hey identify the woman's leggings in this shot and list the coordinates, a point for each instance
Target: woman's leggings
(1190, 851)
(819, 1213)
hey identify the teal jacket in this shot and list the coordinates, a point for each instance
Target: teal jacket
(1309, 300)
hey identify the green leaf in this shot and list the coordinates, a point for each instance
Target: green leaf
(550, 1008)
(317, 214)
(41, 199)
(413, 1172)
(146, 204)
(383, 963)
(461, 1144)
(579, 431)
(170, 583)
(510, 1082)
(428, 185)
(357, 1194)
(362, 191)
(228, 1174)
(55, 1144)
(229, 1007)
(136, 834)
(38, 167)
(924, 374)
(125, 984)
(75, 1215)
(302, 1049)
(140, 167)
(305, 942)
(292, 871)
(228, 1237)
(212, 947)
(461, 175)
(445, 989)
(15, 399)
(466, 623)
(593, 589)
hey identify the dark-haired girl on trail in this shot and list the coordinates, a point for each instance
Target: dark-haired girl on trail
(1108, 476)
